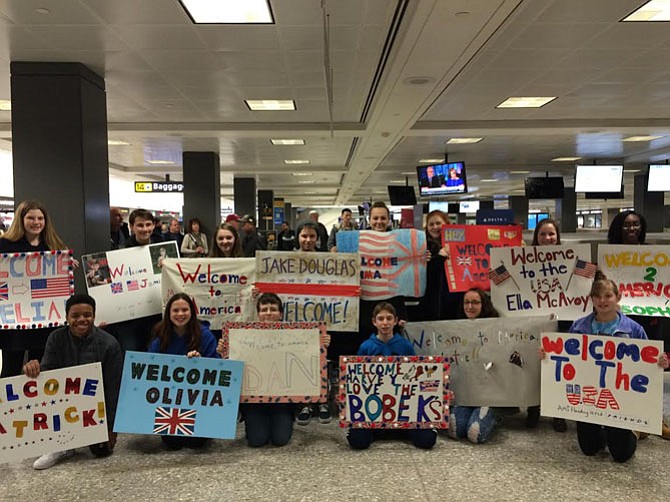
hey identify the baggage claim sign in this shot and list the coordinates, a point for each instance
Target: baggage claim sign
(159, 187)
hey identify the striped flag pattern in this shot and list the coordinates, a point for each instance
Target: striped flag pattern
(50, 287)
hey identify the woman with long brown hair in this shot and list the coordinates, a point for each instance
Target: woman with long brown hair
(226, 243)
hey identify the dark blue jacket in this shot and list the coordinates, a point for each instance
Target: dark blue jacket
(396, 346)
(627, 327)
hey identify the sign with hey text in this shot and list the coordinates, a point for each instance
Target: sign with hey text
(179, 396)
(394, 392)
(469, 252)
(603, 380)
(59, 410)
(539, 280)
(34, 288)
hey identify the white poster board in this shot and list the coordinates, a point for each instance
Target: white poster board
(494, 362)
(542, 280)
(59, 410)
(220, 287)
(603, 380)
(128, 285)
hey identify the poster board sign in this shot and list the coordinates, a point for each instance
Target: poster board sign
(469, 249)
(542, 280)
(603, 380)
(59, 410)
(221, 288)
(172, 395)
(394, 392)
(314, 287)
(283, 362)
(134, 286)
(643, 276)
(34, 288)
(493, 362)
(392, 263)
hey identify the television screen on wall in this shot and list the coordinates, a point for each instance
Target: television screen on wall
(544, 188)
(599, 179)
(659, 178)
(442, 179)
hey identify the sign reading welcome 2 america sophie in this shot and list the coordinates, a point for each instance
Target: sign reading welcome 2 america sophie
(34, 288)
(179, 396)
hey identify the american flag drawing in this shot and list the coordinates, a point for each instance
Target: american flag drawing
(49, 288)
(499, 275)
(4, 291)
(429, 385)
(117, 287)
(132, 286)
(573, 393)
(585, 269)
(174, 421)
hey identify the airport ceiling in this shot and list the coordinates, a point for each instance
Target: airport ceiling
(407, 75)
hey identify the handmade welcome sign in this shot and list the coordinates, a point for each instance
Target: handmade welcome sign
(283, 362)
(493, 361)
(133, 287)
(220, 287)
(469, 252)
(59, 410)
(179, 396)
(315, 287)
(403, 392)
(541, 280)
(392, 263)
(603, 380)
(34, 288)
(643, 276)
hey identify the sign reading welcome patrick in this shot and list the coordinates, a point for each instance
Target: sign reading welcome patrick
(59, 410)
(392, 263)
(34, 288)
(179, 396)
(220, 287)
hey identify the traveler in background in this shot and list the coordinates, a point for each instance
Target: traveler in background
(286, 238)
(345, 224)
(174, 233)
(195, 242)
(322, 233)
(118, 229)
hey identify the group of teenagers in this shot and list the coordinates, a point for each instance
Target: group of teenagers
(179, 332)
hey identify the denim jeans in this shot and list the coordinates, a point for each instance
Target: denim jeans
(475, 423)
(267, 423)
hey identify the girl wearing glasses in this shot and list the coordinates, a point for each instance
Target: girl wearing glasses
(474, 422)
(627, 227)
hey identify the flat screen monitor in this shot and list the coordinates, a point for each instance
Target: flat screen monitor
(599, 179)
(535, 218)
(469, 206)
(442, 179)
(438, 206)
(544, 188)
(401, 195)
(659, 178)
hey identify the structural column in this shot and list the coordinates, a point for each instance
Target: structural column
(649, 204)
(244, 195)
(59, 148)
(519, 205)
(202, 189)
(566, 210)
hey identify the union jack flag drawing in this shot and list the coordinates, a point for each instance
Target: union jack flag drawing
(464, 260)
(585, 269)
(132, 285)
(499, 275)
(49, 288)
(174, 421)
(4, 291)
(117, 287)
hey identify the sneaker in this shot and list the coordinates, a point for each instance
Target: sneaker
(533, 417)
(324, 414)
(305, 415)
(560, 425)
(51, 459)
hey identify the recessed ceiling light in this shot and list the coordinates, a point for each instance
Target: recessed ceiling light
(410, 173)
(117, 142)
(287, 141)
(519, 172)
(462, 141)
(302, 174)
(296, 161)
(42, 10)
(632, 170)
(526, 102)
(5, 104)
(641, 138)
(396, 181)
(160, 162)
(307, 182)
(249, 11)
(565, 159)
(427, 161)
(270, 104)
(654, 10)
(310, 193)
(488, 180)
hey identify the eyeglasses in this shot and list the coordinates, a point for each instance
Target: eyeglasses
(473, 302)
(628, 226)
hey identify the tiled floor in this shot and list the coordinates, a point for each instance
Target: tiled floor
(517, 464)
